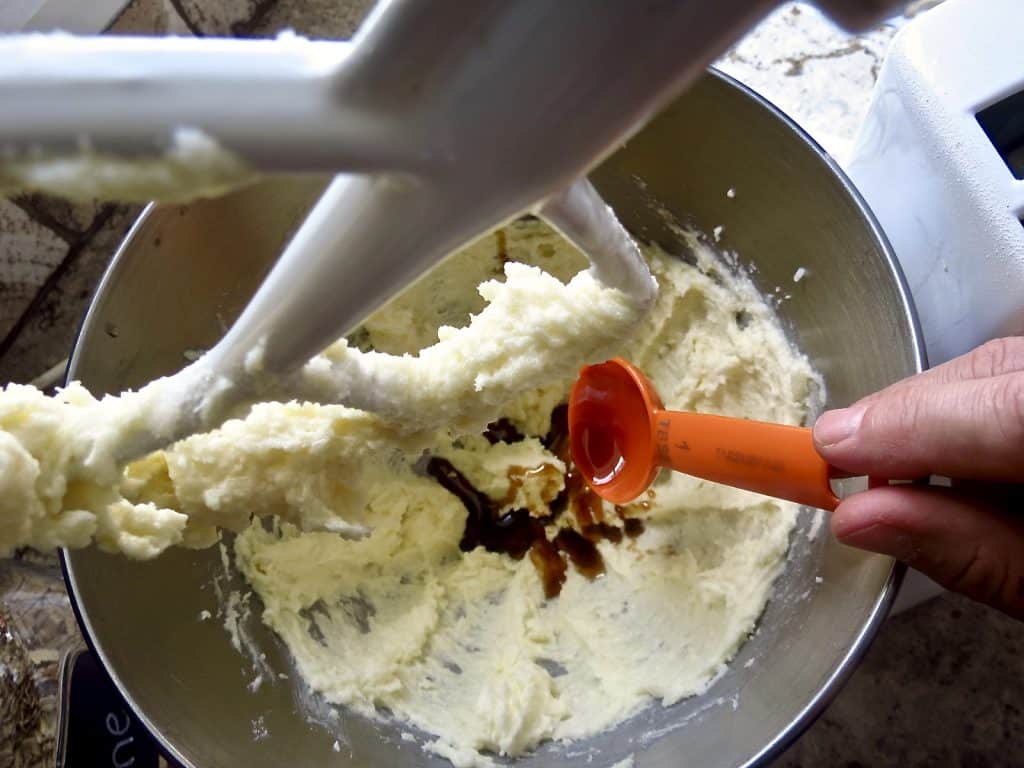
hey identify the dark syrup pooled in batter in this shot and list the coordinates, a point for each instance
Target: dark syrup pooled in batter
(550, 565)
(503, 431)
(517, 532)
(512, 533)
(581, 551)
(633, 526)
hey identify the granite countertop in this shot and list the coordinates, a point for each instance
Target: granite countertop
(938, 687)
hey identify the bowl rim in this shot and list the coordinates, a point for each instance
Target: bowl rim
(879, 611)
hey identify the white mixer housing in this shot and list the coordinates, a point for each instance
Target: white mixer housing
(940, 160)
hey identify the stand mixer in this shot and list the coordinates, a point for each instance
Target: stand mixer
(209, 257)
(455, 117)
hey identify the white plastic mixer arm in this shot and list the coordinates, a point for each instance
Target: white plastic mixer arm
(506, 104)
(520, 100)
(271, 103)
(428, 83)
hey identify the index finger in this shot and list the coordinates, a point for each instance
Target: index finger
(993, 358)
(971, 429)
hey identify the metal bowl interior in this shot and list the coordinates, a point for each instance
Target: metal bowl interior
(185, 272)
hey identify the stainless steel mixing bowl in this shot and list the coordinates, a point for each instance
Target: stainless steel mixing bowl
(184, 272)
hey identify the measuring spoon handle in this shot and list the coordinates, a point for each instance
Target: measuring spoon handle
(774, 459)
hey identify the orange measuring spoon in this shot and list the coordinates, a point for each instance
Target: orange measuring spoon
(620, 435)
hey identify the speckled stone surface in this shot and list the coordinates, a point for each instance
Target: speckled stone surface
(939, 687)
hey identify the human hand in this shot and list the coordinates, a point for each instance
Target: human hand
(965, 421)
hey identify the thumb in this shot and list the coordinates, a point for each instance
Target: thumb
(965, 543)
(964, 429)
